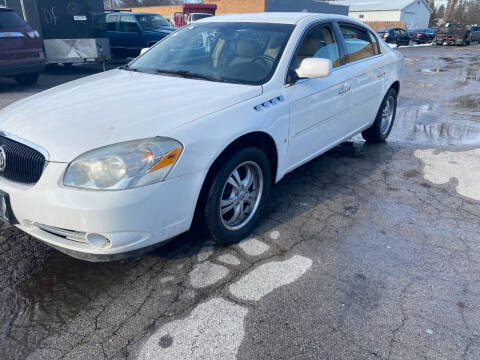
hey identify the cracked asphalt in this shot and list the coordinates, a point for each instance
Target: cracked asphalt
(370, 251)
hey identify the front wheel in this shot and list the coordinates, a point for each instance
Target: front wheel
(381, 128)
(26, 79)
(237, 195)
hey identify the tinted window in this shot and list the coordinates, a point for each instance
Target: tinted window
(112, 23)
(359, 44)
(152, 21)
(10, 19)
(128, 24)
(319, 43)
(196, 17)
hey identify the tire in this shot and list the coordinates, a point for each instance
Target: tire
(381, 128)
(226, 228)
(26, 79)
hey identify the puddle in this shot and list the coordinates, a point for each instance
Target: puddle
(454, 123)
(445, 133)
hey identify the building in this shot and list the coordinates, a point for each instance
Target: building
(415, 13)
(244, 6)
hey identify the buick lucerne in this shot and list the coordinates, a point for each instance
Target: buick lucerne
(198, 127)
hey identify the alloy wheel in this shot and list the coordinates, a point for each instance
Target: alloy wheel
(387, 115)
(241, 195)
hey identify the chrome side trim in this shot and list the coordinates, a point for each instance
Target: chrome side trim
(67, 234)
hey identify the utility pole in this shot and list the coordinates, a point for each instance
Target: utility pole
(111, 4)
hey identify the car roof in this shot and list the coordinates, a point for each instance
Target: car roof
(275, 17)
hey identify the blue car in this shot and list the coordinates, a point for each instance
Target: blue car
(130, 32)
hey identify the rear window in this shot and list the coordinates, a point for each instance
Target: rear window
(358, 41)
(10, 19)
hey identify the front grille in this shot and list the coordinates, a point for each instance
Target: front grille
(22, 163)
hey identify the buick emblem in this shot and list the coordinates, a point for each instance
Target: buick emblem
(3, 159)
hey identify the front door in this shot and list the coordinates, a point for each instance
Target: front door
(319, 108)
(130, 35)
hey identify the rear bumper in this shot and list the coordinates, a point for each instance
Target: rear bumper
(449, 39)
(19, 69)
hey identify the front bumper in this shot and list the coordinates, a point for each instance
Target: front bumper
(132, 220)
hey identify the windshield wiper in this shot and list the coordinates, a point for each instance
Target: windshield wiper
(128, 68)
(190, 75)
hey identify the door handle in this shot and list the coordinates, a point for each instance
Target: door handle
(344, 90)
(381, 74)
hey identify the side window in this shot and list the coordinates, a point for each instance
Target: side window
(128, 24)
(318, 43)
(376, 45)
(358, 42)
(112, 23)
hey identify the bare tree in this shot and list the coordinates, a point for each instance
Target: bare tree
(449, 11)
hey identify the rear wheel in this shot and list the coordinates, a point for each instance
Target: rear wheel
(26, 79)
(237, 196)
(381, 128)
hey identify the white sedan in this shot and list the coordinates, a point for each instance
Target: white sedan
(198, 127)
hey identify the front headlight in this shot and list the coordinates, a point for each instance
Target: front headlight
(125, 165)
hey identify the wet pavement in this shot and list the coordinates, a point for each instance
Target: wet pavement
(370, 251)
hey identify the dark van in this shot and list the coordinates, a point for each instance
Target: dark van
(21, 52)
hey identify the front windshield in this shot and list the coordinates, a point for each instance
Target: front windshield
(246, 53)
(152, 21)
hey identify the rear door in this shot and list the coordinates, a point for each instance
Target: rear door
(112, 30)
(404, 36)
(366, 65)
(130, 35)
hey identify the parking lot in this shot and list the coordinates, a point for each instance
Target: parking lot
(370, 251)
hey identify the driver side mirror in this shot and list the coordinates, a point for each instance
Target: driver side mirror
(314, 68)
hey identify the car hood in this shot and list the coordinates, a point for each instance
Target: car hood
(113, 107)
